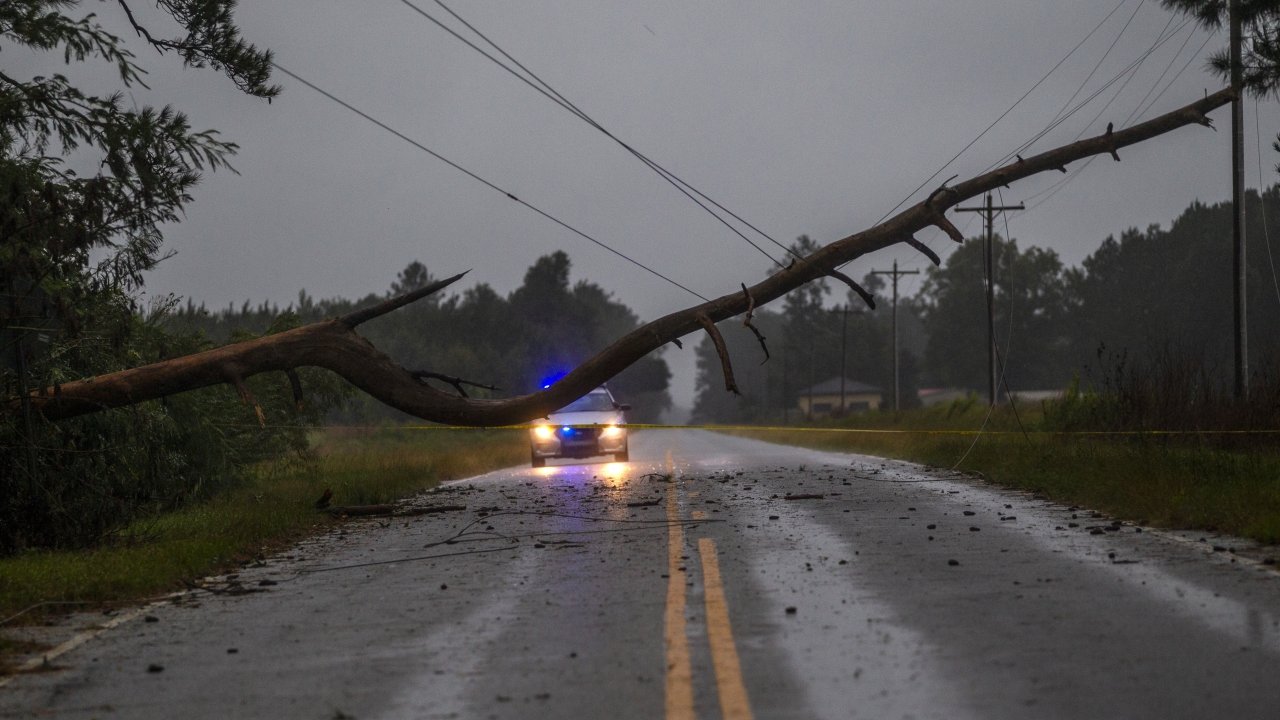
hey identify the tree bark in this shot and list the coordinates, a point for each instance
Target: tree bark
(334, 344)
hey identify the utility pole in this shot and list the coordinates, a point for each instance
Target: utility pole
(1237, 209)
(844, 344)
(989, 212)
(786, 407)
(895, 273)
(809, 414)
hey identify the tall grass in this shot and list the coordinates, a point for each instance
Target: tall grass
(276, 506)
(1162, 442)
(1176, 389)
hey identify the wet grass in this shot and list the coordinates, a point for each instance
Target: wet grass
(156, 555)
(1189, 482)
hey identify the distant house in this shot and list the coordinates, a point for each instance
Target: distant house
(826, 399)
(938, 396)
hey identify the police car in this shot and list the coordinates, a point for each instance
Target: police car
(593, 424)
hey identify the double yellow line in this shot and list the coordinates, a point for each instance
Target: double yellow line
(732, 691)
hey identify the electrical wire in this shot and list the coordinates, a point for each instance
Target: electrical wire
(1002, 116)
(1132, 72)
(1053, 189)
(480, 179)
(1127, 74)
(545, 89)
(1177, 53)
(1053, 122)
(1174, 79)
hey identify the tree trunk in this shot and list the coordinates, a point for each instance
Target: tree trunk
(334, 344)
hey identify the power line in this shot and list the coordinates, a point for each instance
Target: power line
(1177, 53)
(1128, 73)
(1002, 116)
(1132, 71)
(545, 89)
(1174, 79)
(478, 178)
(1053, 121)
(1053, 189)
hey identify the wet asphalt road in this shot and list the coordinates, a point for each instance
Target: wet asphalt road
(684, 584)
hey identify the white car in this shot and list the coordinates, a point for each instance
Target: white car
(593, 424)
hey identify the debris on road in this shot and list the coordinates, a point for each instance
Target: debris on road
(385, 510)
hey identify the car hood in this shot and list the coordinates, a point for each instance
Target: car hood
(587, 418)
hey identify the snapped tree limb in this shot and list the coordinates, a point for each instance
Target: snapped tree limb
(334, 344)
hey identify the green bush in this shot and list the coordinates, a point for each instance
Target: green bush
(74, 483)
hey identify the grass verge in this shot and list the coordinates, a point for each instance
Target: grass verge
(1188, 482)
(155, 555)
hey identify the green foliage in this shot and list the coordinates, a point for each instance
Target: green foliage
(1150, 290)
(273, 505)
(1261, 49)
(73, 248)
(77, 482)
(1031, 307)
(1174, 389)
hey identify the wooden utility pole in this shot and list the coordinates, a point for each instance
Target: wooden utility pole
(989, 212)
(1237, 208)
(895, 273)
(809, 414)
(844, 345)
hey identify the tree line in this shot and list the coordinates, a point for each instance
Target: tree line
(1139, 295)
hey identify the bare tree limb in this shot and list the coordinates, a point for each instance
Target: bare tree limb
(867, 297)
(355, 318)
(726, 365)
(334, 345)
(247, 397)
(924, 249)
(746, 321)
(456, 382)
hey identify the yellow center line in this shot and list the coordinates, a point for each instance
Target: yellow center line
(724, 653)
(698, 515)
(679, 681)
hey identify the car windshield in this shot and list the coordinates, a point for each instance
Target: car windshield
(591, 402)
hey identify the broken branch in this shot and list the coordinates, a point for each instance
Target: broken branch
(746, 321)
(354, 318)
(925, 249)
(725, 364)
(456, 382)
(334, 345)
(867, 297)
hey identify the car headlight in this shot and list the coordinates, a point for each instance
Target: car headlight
(543, 432)
(612, 431)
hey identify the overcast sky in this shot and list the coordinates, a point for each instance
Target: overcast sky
(803, 117)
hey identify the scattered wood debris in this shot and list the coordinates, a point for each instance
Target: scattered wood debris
(385, 510)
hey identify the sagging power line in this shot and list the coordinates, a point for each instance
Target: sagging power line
(530, 78)
(492, 186)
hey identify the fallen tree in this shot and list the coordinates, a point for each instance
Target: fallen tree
(335, 345)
